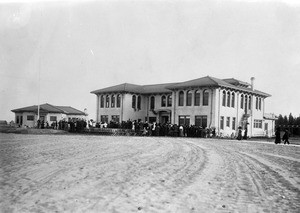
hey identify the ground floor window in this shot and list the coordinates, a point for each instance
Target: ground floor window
(258, 124)
(104, 118)
(53, 118)
(201, 120)
(30, 118)
(115, 118)
(222, 122)
(233, 123)
(184, 120)
(228, 121)
(152, 119)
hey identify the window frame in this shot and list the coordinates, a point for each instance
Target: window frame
(181, 98)
(31, 118)
(228, 99)
(205, 98)
(163, 101)
(152, 102)
(189, 97)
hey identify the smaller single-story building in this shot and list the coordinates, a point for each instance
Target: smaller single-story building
(28, 116)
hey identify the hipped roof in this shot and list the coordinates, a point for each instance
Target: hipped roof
(50, 109)
(207, 81)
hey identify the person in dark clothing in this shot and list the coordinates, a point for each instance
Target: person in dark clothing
(285, 137)
(245, 134)
(277, 136)
(239, 137)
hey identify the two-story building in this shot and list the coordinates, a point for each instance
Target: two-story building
(223, 104)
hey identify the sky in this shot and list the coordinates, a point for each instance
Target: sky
(57, 52)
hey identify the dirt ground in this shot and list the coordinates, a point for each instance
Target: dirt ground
(67, 173)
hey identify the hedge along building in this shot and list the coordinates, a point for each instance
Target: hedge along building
(223, 104)
(28, 116)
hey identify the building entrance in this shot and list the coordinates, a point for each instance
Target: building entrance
(164, 119)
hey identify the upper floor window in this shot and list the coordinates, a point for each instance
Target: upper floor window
(133, 101)
(242, 101)
(256, 104)
(224, 99)
(118, 101)
(180, 99)
(107, 101)
(259, 105)
(102, 101)
(152, 102)
(197, 98)
(246, 102)
(139, 101)
(228, 99)
(232, 99)
(163, 101)
(169, 100)
(189, 98)
(205, 98)
(112, 101)
(249, 107)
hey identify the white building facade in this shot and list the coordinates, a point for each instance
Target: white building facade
(221, 104)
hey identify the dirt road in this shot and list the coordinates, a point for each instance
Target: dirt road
(63, 173)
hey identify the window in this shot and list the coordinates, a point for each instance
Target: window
(259, 105)
(197, 98)
(249, 102)
(232, 99)
(102, 101)
(224, 99)
(53, 118)
(30, 118)
(201, 120)
(169, 100)
(205, 98)
(163, 101)
(184, 120)
(139, 101)
(228, 99)
(180, 99)
(118, 101)
(104, 118)
(233, 123)
(152, 102)
(133, 101)
(258, 124)
(256, 104)
(151, 119)
(242, 101)
(115, 118)
(228, 121)
(107, 101)
(246, 103)
(222, 122)
(112, 101)
(18, 119)
(188, 98)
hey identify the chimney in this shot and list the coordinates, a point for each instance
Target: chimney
(252, 83)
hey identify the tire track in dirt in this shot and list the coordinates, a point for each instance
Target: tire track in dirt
(169, 171)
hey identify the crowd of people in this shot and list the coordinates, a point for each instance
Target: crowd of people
(158, 129)
(151, 129)
(72, 125)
